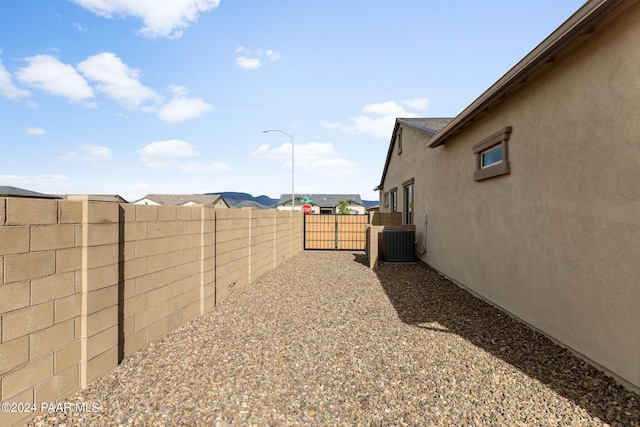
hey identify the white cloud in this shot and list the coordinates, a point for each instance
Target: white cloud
(163, 155)
(318, 158)
(49, 74)
(417, 103)
(7, 88)
(263, 149)
(378, 120)
(162, 18)
(168, 149)
(250, 58)
(272, 55)
(80, 27)
(35, 131)
(181, 108)
(52, 184)
(87, 153)
(113, 78)
(248, 63)
(195, 167)
(116, 80)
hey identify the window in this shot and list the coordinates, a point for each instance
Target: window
(399, 141)
(492, 155)
(394, 200)
(386, 199)
(408, 202)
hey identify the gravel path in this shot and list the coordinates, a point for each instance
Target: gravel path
(324, 341)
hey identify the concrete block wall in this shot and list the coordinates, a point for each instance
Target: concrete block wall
(263, 238)
(162, 269)
(84, 283)
(40, 301)
(233, 250)
(284, 238)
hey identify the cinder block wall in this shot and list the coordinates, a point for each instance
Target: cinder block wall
(40, 301)
(83, 283)
(162, 269)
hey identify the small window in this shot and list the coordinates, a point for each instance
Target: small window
(386, 199)
(399, 141)
(394, 200)
(492, 155)
(408, 202)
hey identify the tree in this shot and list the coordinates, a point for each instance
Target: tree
(343, 208)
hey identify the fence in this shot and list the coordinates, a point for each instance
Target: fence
(85, 283)
(335, 232)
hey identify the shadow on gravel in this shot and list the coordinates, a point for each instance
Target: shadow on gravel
(425, 299)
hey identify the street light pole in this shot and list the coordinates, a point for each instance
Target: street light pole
(293, 197)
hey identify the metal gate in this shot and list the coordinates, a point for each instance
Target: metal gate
(335, 232)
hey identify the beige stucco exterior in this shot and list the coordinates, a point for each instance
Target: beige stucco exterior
(556, 242)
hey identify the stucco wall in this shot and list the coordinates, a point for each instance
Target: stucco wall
(84, 284)
(556, 241)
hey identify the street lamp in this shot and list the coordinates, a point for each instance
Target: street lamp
(293, 198)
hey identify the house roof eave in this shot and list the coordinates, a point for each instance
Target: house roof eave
(414, 124)
(579, 24)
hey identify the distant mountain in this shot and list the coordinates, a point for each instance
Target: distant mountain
(243, 200)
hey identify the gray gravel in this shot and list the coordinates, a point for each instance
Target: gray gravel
(324, 341)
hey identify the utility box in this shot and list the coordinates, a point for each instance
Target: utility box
(398, 245)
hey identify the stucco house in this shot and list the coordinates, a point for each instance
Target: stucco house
(322, 203)
(183, 200)
(530, 197)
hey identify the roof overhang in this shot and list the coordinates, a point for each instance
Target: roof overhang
(580, 24)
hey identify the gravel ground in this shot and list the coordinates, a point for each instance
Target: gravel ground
(324, 341)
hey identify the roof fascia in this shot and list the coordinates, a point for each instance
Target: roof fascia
(404, 122)
(428, 131)
(389, 152)
(579, 24)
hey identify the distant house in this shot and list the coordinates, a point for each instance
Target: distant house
(323, 203)
(7, 191)
(113, 198)
(530, 197)
(215, 200)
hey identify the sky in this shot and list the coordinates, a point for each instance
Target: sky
(136, 97)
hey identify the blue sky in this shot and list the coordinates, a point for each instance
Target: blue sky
(133, 97)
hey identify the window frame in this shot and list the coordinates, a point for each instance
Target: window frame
(408, 201)
(394, 199)
(386, 199)
(499, 139)
(483, 163)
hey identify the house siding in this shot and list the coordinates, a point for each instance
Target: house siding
(555, 241)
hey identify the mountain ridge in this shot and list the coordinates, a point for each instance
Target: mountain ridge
(238, 199)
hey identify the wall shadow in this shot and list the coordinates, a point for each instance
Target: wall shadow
(425, 299)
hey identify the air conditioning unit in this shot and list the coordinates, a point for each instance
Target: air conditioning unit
(398, 245)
